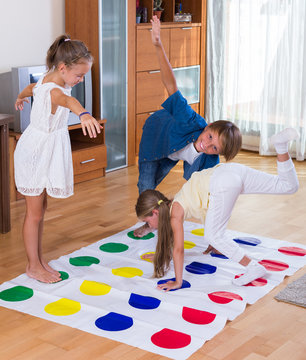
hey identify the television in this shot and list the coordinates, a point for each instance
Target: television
(13, 82)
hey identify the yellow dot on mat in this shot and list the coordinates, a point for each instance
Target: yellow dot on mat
(199, 232)
(94, 288)
(189, 245)
(147, 253)
(63, 307)
(127, 272)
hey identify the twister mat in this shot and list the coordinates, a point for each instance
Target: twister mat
(108, 290)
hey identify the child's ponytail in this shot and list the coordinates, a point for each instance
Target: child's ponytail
(67, 51)
(164, 246)
(148, 201)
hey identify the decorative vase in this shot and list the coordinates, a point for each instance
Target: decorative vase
(158, 13)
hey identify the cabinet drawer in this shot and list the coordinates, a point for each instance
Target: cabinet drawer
(150, 92)
(145, 52)
(89, 159)
(185, 46)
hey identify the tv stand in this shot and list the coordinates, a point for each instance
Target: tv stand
(89, 156)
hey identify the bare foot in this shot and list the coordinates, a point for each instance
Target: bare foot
(142, 230)
(49, 268)
(41, 274)
(211, 249)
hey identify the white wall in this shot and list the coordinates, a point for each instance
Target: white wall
(27, 29)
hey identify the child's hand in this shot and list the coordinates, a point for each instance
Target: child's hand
(19, 103)
(148, 256)
(91, 124)
(170, 285)
(155, 31)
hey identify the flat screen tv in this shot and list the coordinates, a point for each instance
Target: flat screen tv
(13, 82)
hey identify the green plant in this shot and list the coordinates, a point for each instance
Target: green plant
(157, 5)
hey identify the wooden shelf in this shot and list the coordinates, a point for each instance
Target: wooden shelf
(193, 7)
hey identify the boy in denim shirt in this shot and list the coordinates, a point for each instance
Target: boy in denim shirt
(178, 133)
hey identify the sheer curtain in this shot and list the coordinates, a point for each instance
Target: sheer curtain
(256, 69)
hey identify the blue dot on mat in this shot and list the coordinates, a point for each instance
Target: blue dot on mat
(247, 241)
(186, 284)
(218, 255)
(200, 268)
(143, 302)
(114, 322)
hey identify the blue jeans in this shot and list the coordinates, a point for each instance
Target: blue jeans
(151, 173)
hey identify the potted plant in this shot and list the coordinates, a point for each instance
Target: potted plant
(157, 9)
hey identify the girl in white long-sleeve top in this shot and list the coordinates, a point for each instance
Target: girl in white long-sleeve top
(210, 196)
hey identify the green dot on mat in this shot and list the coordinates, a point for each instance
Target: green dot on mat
(113, 247)
(16, 293)
(83, 261)
(64, 275)
(146, 237)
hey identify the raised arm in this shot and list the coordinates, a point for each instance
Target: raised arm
(88, 122)
(177, 220)
(167, 75)
(23, 96)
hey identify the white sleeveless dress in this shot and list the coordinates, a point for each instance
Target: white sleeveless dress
(43, 158)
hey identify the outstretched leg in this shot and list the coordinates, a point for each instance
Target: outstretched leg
(287, 173)
(32, 233)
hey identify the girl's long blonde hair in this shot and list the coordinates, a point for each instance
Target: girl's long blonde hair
(148, 201)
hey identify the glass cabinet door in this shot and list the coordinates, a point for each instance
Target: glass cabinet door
(113, 78)
(188, 82)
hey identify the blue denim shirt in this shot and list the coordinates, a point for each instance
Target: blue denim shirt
(169, 130)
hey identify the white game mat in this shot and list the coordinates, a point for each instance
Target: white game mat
(108, 290)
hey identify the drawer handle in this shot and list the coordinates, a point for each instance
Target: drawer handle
(154, 71)
(186, 28)
(87, 161)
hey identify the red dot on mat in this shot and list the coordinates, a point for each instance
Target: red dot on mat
(256, 282)
(170, 339)
(198, 317)
(273, 265)
(223, 297)
(292, 251)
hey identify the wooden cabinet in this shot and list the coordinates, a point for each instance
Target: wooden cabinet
(89, 156)
(182, 45)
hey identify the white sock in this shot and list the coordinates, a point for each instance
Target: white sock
(281, 140)
(252, 272)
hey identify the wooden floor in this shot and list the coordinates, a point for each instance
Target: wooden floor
(102, 207)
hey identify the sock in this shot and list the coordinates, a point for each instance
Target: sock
(252, 272)
(281, 140)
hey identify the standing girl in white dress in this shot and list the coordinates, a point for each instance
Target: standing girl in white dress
(43, 160)
(210, 195)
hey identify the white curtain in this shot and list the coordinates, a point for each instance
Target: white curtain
(256, 69)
